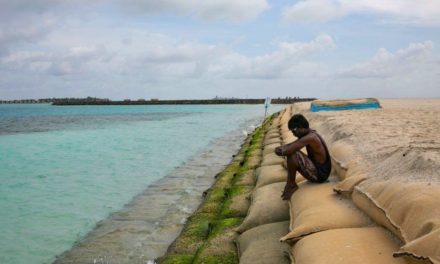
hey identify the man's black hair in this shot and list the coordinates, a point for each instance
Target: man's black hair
(298, 120)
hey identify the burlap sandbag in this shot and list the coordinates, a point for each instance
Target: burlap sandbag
(269, 149)
(284, 128)
(288, 138)
(272, 140)
(246, 178)
(411, 210)
(272, 134)
(363, 202)
(270, 174)
(315, 207)
(260, 245)
(274, 173)
(271, 159)
(346, 186)
(368, 245)
(254, 160)
(344, 163)
(427, 245)
(275, 125)
(266, 207)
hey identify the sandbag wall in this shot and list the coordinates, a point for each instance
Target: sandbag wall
(268, 216)
(344, 220)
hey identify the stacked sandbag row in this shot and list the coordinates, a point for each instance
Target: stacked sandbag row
(324, 219)
(268, 216)
(411, 211)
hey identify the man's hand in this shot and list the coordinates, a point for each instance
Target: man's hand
(279, 151)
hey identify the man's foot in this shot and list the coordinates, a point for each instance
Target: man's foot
(289, 189)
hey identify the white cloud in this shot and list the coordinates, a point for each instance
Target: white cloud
(25, 21)
(416, 58)
(400, 11)
(208, 10)
(290, 57)
(26, 29)
(73, 61)
(158, 59)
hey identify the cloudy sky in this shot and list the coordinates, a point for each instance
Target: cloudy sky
(180, 49)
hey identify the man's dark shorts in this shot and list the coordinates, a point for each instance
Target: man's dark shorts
(308, 169)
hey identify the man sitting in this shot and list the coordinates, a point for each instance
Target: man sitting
(315, 166)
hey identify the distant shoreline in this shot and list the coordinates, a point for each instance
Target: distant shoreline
(182, 102)
(98, 101)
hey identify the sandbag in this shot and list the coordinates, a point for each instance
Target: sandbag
(266, 207)
(269, 149)
(272, 140)
(260, 245)
(341, 154)
(272, 134)
(254, 160)
(368, 245)
(246, 178)
(422, 247)
(315, 207)
(288, 138)
(363, 202)
(271, 159)
(273, 128)
(273, 173)
(411, 210)
(270, 174)
(346, 186)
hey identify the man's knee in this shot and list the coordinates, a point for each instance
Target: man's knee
(292, 160)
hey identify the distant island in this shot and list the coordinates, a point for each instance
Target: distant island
(154, 101)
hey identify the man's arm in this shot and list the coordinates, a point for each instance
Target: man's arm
(290, 148)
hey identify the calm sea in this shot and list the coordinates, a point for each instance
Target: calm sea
(63, 169)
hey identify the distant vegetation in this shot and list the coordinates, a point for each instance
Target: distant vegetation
(53, 100)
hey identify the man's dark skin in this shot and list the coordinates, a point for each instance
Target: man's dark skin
(304, 138)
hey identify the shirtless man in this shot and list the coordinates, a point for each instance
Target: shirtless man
(315, 166)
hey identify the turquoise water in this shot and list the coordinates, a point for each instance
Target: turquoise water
(62, 169)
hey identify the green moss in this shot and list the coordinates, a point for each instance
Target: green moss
(224, 259)
(227, 175)
(178, 259)
(211, 207)
(216, 194)
(231, 193)
(194, 233)
(222, 224)
(198, 225)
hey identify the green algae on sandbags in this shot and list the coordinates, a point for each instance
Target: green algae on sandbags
(208, 235)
